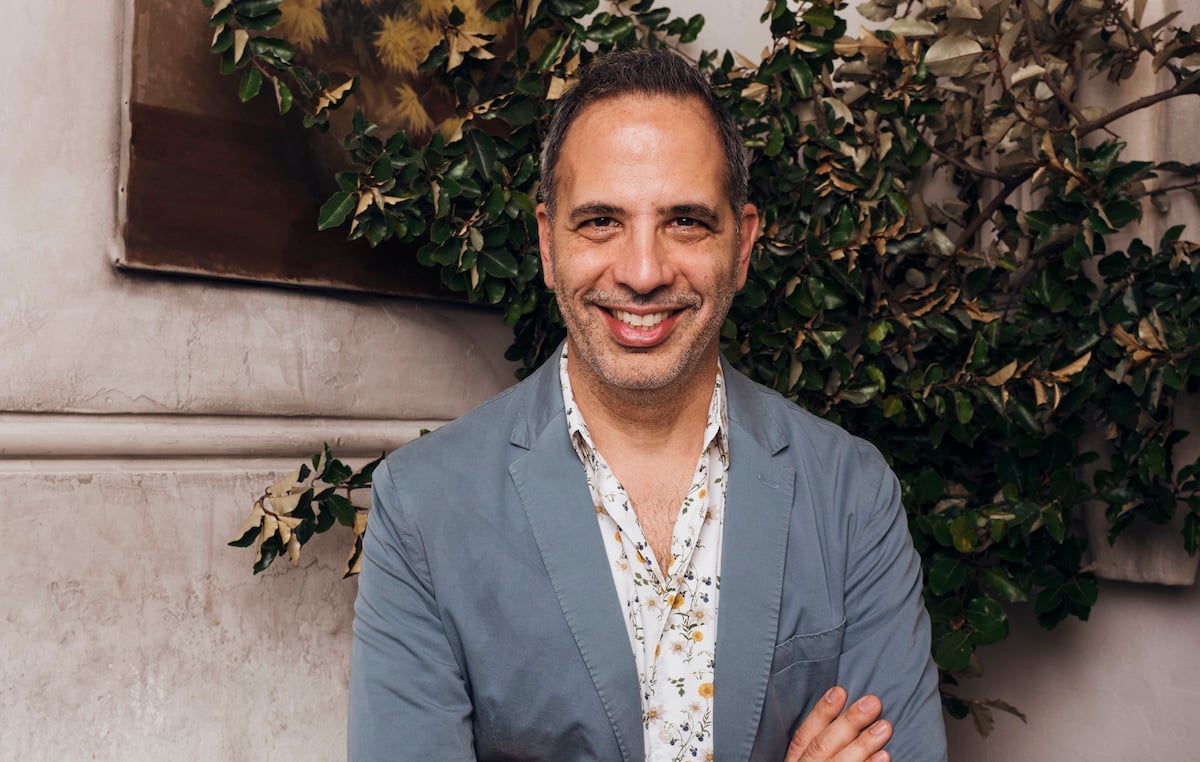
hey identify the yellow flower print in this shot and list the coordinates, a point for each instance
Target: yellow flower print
(697, 636)
(657, 650)
(676, 600)
(705, 690)
(702, 493)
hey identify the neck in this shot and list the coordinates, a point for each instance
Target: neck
(646, 419)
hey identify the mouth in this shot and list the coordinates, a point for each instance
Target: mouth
(640, 321)
(640, 330)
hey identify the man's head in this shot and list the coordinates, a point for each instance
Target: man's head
(646, 247)
(650, 73)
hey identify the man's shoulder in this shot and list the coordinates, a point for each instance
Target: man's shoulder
(481, 426)
(481, 433)
(808, 436)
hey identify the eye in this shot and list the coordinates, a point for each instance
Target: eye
(599, 222)
(690, 223)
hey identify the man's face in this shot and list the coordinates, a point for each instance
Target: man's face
(643, 251)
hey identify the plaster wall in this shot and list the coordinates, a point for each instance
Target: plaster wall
(139, 415)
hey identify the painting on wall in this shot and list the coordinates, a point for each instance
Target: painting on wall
(218, 188)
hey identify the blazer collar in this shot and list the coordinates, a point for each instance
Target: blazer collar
(758, 510)
(551, 482)
(554, 493)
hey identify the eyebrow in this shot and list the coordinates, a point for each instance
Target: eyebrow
(702, 212)
(594, 209)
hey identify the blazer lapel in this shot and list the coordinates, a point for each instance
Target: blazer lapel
(550, 481)
(753, 552)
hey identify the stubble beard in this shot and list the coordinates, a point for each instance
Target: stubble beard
(618, 370)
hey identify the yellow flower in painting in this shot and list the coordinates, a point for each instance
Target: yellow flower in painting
(435, 10)
(705, 690)
(697, 636)
(402, 43)
(676, 600)
(408, 113)
(301, 23)
(702, 493)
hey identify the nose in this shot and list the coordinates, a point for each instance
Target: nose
(644, 264)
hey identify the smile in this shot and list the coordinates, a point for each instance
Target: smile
(640, 321)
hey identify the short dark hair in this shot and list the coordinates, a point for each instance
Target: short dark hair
(645, 72)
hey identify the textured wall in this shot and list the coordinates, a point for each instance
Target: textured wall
(139, 415)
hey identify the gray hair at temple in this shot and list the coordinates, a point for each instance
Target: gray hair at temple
(646, 72)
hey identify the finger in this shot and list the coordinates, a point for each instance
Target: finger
(868, 744)
(850, 732)
(824, 713)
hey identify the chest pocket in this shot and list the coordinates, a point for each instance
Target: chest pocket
(802, 669)
(808, 648)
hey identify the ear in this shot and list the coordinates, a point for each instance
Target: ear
(543, 223)
(748, 236)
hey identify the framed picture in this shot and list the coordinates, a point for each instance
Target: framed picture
(218, 188)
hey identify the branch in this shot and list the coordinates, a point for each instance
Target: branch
(965, 167)
(1189, 86)
(1169, 188)
(985, 214)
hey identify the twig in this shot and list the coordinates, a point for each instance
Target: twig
(965, 167)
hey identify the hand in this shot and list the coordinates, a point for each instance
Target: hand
(856, 735)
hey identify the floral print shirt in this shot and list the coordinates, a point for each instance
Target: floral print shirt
(671, 611)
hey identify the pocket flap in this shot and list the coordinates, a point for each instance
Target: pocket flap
(815, 646)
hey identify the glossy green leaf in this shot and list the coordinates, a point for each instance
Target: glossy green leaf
(251, 84)
(341, 508)
(334, 211)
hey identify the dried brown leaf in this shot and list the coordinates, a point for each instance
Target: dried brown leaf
(1067, 371)
(284, 485)
(1000, 377)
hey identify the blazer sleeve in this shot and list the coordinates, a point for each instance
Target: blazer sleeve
(408, 695)
(886, 650)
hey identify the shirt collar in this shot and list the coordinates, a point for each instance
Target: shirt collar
(716, 431)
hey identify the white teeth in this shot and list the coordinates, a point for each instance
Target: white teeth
(640, 321)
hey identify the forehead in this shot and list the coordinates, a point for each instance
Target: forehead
(640, 144)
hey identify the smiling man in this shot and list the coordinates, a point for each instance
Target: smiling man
(637, 553)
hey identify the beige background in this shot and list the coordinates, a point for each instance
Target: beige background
(139, 415)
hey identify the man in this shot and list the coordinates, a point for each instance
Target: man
(637, 553)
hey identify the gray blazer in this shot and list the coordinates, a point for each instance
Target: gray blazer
(487, 626)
